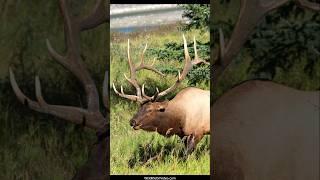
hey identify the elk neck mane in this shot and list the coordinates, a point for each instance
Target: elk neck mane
(173, 117)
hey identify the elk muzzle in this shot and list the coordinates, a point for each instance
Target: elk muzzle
(134, 125)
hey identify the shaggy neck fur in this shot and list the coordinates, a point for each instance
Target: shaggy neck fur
(171, 121)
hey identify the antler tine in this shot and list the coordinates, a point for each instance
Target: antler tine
(131, 66)
(38, 92)
(61, 59)
(141, 98)
(147, 67)
(133, 76)
(21, 97)
(152, 98)
(130, 97)
(197, 60)
(142, 55)
(144, 95)
(187, 67)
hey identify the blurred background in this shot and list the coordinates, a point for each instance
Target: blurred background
(128, 17)
(283, 48)
(34, 145)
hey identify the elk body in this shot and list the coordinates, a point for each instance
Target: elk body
(186, 115)
(263, 130)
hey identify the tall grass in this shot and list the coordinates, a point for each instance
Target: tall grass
(37, 148)
(139, 152)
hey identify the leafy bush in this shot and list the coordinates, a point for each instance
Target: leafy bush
(198, 16)
(282, 45)
(174, 51)
(198, 75)
(285, 38)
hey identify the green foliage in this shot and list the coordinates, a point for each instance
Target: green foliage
(198, 16)
(281, 47)
(199, 74)
(175, 51)
(287, 37)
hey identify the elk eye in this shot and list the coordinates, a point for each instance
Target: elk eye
(162, 109)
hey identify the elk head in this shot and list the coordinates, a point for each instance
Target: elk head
(149, 115)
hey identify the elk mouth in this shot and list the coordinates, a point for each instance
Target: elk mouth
(137, 127)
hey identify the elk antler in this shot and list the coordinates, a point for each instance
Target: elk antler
(141, 97)
(251, 13)
(91, 116)
(133, 77)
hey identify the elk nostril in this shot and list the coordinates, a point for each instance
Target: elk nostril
(132, 123)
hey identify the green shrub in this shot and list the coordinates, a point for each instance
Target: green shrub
(198, 16)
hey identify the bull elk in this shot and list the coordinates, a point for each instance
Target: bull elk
(263, 130)
(91, 117)
(186, 115)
